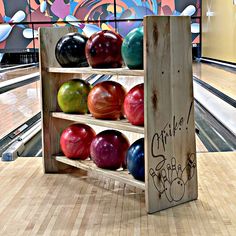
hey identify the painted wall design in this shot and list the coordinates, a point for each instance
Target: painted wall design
(20, 20)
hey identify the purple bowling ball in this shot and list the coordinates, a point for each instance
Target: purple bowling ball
(108, 149)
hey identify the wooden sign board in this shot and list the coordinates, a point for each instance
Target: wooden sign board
(170, 166)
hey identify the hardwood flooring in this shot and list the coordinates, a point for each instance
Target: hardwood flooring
(76, 203)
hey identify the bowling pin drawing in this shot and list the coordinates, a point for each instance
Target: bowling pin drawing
(29, 33)
(166, 184)
(172, 180)
(189, 170)
(5, 29)
(157, 181)
(192, 165)
(168, 171)
(174, 174)
(88, 29)
(179, 171)
(43, 6)
(188, 11)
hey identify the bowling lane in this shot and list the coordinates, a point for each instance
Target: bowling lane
(222, 79)
(4, 76)
(17, 106)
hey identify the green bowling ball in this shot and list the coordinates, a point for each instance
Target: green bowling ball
(72, 96)
(132, 49)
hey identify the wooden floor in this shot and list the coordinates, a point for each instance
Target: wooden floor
(33, 203)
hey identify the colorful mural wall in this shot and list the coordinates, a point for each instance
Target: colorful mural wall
(20, 20)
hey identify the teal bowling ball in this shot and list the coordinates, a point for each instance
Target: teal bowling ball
(132, 49)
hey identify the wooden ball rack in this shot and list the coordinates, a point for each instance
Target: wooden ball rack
(169, 129)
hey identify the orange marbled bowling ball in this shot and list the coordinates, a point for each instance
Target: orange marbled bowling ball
(105, 100)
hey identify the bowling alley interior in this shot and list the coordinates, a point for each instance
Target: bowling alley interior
(118, 117)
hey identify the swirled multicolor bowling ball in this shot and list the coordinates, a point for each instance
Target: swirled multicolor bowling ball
(72, 96)
(105, 100)
(135, 159)
(108, 149)
(75, 141)
(103, 50)
(134, 105)
(132, 49)
(70, 50)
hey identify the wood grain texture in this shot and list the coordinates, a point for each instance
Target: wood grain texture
(50, 84)
(34, 203)
(89, 70)
(88, 119)
(170, 164)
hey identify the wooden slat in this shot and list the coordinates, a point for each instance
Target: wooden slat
(89, 70)
(50, 83)
(169, 113)
(123, 176)
(88, 119)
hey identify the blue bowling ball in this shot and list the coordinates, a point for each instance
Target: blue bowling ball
(135, 159)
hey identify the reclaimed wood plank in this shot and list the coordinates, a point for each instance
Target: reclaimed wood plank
(170, 150)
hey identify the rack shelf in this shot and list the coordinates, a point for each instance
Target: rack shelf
(89, 70)
(88, 119)
(120, 175)
(169, 128)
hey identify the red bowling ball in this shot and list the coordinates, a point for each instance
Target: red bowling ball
(108, 149)
(105, 100)
(103, 50)
(134, 105)
(75, 141)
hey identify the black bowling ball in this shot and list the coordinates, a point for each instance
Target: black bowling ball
(70, 50)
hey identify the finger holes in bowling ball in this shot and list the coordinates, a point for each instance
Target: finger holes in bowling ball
(108, 149)
(70, 50)
(75, 141)
(105, 100)
(135, 159)
(72, 96)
